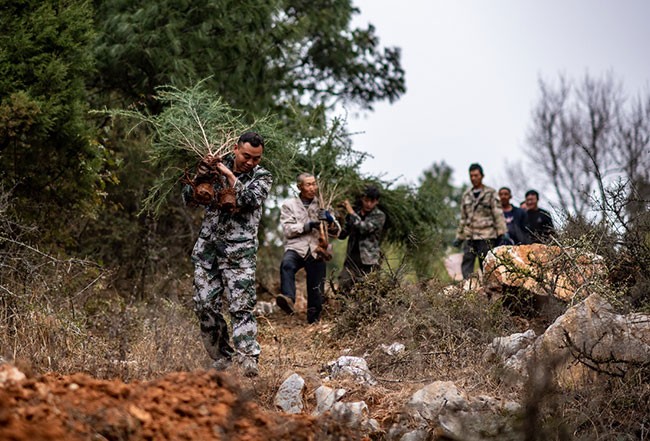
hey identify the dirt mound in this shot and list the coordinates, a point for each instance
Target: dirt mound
(201, 405)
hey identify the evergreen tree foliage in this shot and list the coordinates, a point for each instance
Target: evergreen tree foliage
(328, 155)
(420, 220)
(293, 59)
(260, 55)
(437, 199)
(48, 158)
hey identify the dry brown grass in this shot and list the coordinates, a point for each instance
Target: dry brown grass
(99, 333)
(593, 407)
(443, 333)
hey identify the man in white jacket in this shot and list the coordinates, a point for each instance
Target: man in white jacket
(301, 219)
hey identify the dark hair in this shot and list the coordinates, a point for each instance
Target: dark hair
(253, 138)
(505, 188)
(476, 166)
(533, 193)
(371, 192)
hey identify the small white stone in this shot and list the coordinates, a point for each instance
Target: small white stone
(289, 396)
(393, 349)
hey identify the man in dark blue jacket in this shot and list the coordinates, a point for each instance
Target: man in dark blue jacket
(516, 218)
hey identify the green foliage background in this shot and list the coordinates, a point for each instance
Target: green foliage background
(49, 157)
(280, 66)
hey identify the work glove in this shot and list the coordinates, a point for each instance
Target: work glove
(504, 239)
(457, 243)
(325, 215)
(311, 225)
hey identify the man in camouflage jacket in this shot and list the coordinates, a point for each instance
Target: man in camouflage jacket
(363, 228)
(482, 225)
(224, 255)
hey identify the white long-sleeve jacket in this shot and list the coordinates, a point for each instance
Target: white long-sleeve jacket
(293, 216)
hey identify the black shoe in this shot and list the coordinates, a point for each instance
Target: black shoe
(222, 363)
(285, 303)
(249, 367)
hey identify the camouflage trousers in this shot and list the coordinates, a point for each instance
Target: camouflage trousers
(237, 287)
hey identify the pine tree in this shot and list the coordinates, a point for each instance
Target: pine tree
(48, 159)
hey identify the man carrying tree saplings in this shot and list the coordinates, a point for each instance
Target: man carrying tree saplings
(225, 252)
(363, 228)
(306, 227)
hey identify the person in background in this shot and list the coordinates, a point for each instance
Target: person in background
(302, 219)
(482, 225)
(539, 225)
(363, 228)
(515, 218)
(225, 253)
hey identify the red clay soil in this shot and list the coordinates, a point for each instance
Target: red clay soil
(201, 405)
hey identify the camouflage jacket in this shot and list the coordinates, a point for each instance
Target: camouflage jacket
(367, 231)
(229, 239)
(480, 217)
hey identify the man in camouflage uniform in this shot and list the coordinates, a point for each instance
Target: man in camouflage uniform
(224, 255)
(363, 228)
(482, 225)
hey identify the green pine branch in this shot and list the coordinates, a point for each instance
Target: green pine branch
(195, 122)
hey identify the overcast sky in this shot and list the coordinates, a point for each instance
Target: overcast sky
(472, 69)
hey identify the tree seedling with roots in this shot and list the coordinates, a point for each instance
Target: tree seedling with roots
(207, 174)
(327, 193)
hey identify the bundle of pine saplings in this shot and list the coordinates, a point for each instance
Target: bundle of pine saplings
(194, 127)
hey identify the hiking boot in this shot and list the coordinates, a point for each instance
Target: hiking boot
(285, 303)
(249, 367)
(221, 364)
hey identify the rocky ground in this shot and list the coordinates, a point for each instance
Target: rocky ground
(442, 363)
